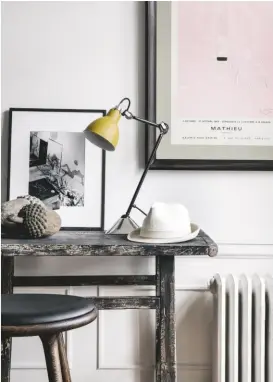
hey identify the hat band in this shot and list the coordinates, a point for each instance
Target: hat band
(162, 234)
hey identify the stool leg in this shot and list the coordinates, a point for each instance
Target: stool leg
(51, 350)
(63, 359)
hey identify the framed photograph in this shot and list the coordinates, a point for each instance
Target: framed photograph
(51, 159)
(210, 78)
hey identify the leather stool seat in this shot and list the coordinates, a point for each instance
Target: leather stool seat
(46, 316)
(37, 309)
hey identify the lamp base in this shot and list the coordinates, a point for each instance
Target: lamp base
(123, 226)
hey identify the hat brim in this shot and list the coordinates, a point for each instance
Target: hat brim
(135, 236)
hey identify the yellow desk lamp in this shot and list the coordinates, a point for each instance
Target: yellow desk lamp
(104, 133)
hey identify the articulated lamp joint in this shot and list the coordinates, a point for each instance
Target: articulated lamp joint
(128, 115)
(163, 127)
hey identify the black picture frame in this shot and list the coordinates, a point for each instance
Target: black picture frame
(103, 153)
(150, 133)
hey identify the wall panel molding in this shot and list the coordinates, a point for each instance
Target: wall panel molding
(138, 318)
(245, 251)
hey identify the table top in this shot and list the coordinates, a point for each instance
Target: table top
(95, 243)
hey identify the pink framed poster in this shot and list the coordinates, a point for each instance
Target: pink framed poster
(210, 77)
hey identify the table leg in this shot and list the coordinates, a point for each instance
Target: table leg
(165, 320)
(7, 271)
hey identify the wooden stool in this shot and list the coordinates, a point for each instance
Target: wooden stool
(46, 316)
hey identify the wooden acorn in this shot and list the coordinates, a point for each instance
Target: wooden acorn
(34, 220)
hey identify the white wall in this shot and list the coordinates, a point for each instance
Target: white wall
(90, 55)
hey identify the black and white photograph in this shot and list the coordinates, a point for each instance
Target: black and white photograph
(56, 168)
(52, 160)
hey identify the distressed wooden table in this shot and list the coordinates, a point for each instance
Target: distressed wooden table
(66, 243)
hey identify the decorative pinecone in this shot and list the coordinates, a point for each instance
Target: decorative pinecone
(34, 220)
(32, 199)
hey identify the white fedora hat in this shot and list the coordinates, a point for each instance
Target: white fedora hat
(165, 223)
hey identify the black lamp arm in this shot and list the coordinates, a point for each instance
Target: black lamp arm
(163, 128)
(163, 131)
(148, 165)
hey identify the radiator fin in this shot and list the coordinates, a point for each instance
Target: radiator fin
(259, 328)
(219, 340)
(233, 330)
(246, 327)
(269, 327)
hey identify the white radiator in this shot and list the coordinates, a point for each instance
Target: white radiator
(243, 328)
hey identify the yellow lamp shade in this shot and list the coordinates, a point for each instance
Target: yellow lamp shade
(104, 132)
